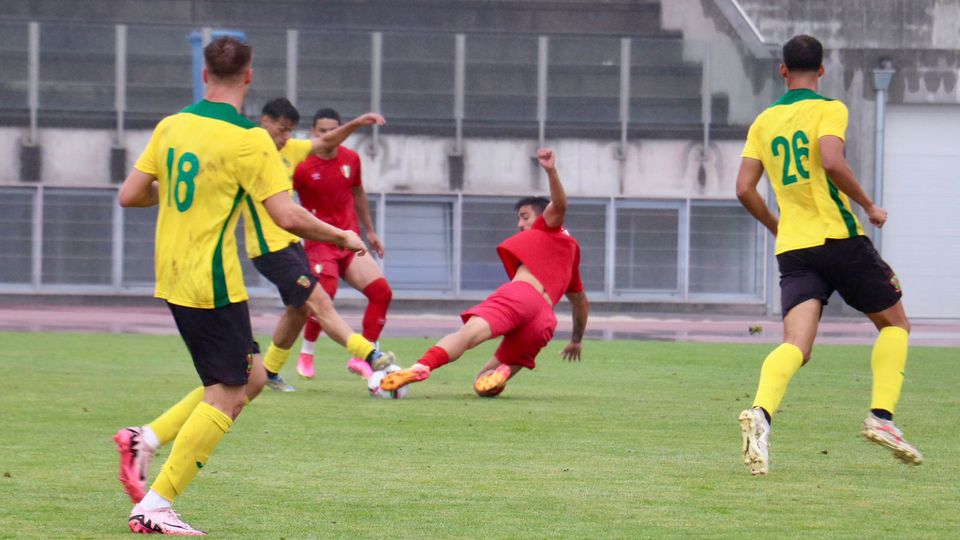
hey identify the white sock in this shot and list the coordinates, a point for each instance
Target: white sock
(150, 437)
(307, 347)
(152, 501)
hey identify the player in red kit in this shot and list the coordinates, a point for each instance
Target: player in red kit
(543, 263)
(330, 186)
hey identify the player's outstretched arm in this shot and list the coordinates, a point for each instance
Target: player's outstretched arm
(557, 209)
(296, 219)
(330, 140)
(747, 179)
(581, 309)
(139, 190)
(839, 172)
(362, 207)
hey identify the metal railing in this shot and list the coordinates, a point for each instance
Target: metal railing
(79, 241)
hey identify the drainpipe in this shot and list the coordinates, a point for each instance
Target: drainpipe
(882, 76)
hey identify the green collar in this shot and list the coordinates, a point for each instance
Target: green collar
(219, 111)
(799, 94)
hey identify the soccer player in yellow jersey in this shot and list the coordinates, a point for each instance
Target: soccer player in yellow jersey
(198, 167)
(277, 254)
(820, 247)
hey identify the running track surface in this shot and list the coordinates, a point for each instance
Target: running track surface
(716, 329)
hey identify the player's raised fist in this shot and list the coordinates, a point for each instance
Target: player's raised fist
(351, 241)
(371, 118)
(546, 158)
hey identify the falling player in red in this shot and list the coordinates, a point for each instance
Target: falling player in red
(543, 263)
(330, 186)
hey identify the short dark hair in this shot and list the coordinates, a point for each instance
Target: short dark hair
(227, 57)
(327, 113)
(538, 203)
(802, 53)
(281, 107)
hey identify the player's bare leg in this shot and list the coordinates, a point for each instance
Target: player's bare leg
(449, 348)
(888, 361)
(256, 380)
(321, 305)
(365, 275)
(493, 377)
(800, 329)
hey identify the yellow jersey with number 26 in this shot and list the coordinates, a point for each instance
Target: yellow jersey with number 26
(206, 158)
(786, 139)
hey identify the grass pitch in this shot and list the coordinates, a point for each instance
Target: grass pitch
(639, 440)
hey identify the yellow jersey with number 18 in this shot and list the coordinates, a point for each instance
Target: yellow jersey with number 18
(261, 234)
(206, 158)
(786, 139)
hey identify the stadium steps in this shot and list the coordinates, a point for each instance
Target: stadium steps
(417, 96)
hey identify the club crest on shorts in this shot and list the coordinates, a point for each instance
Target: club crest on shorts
(895, 281)
(317, 269)
(345, 169)
(303, 281)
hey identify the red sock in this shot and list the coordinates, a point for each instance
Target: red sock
(378, 294)
(434, 358)
(312, 329)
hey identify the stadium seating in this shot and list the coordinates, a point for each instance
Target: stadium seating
(77, 64)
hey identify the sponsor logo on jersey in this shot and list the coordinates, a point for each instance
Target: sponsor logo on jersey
(315, 176)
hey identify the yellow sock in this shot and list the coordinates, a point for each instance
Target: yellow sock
(888, 360)
(275, 358)
(359, 346)
(778, 368)
(193, 446)
(168, 424)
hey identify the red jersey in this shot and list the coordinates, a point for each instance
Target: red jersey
(551, 255)
(325, 188)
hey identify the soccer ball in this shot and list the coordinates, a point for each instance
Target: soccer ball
(373, 384)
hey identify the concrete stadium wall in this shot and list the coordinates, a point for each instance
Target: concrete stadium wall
(417, 164)
(918, 37)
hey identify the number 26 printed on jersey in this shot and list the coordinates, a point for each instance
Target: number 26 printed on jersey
(180, 189)
(794, 152)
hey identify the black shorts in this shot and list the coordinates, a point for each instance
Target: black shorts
(219, 340)
(289, 270)
(850, 266)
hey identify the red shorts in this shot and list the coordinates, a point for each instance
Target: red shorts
(328, 259)
(520, 314)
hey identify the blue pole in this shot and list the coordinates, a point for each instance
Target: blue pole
(196, 44)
